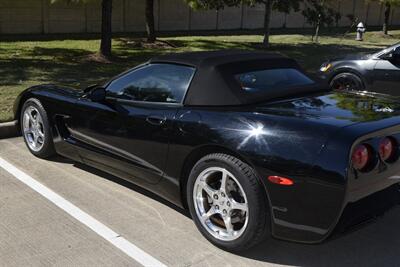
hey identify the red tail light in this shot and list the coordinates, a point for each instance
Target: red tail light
(361, 157)
(387, 148)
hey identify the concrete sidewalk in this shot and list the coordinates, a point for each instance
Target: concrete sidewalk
(35, 232)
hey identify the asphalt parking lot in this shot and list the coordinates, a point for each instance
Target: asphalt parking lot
(36, 232)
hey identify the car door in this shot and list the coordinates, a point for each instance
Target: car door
(387, 73)
(128, 134)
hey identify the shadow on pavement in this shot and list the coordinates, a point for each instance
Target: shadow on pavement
(374, 244)
(131, 186)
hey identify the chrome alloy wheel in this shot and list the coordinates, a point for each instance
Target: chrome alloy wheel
(33, 128)
(221, 204)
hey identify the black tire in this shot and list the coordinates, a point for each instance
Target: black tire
(347, 81)
(259, 220)
(47, 149)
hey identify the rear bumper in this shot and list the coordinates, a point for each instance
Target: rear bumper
(357, 193)
(332, 214)
(368, 208)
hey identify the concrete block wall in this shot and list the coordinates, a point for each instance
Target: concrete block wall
(62, 17)
(361, 10)
(375, 14)
(20, 16)
(253, 17)
(203, 20)
(230, 18)
(40, 16)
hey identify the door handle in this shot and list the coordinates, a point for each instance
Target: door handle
(156, 120)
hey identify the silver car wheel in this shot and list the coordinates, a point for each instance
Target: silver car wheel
(221, 204)
(33, 128)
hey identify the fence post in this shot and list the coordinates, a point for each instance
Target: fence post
(338, 10)
(392, 16)
(190, 18)
(284, 20)
(86, 18)
(123, 15)
(217, 20)
(242, 17)
(45, 16)
(354, 7)
(158, 15)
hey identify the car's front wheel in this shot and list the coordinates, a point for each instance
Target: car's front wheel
(228, 203)
(36, 130)
(347, 81)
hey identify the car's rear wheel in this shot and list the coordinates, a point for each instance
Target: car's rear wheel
(35, 129)
(228, 203)
(347, 81)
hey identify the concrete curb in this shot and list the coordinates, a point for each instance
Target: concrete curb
(9, 129)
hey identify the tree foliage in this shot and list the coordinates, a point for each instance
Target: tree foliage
(212, 4)
(390, 2)
(285, 6)
(319, 13)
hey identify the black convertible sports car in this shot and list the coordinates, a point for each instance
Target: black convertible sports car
(247, 141)
(379, 72)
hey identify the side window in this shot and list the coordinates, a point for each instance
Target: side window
(153, 83)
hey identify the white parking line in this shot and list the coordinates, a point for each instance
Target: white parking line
(102, 230)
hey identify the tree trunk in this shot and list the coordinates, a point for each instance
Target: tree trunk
(387, 16)
(106, 28)
(151, 37)
(267, 20)
(319, 21)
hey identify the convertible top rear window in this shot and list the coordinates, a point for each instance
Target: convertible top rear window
(272, 79)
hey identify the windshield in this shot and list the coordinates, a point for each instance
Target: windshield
(272, 80)
(387, 50)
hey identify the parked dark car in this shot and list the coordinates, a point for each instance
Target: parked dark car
(247, 141)
(378, 72)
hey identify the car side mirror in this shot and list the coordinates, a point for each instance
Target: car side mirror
(98, 94)
(387, 57)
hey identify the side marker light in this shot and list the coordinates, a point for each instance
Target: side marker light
(280, 180)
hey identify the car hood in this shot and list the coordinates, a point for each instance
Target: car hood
(359, 56)
(337, 108)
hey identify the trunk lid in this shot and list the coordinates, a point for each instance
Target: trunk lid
(339, 108)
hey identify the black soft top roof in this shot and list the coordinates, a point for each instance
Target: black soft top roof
(213, 58)
(213, 83)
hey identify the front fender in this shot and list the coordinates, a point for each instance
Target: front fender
(20, 100)
(353, 67)
(47, 93)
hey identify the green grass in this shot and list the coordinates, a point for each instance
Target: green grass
(26, 63)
